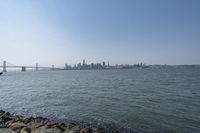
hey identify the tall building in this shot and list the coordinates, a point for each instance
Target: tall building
(104, 64)
(75, 67)
(84, 62)
(79, 65)
(53, 67)
(67, 67)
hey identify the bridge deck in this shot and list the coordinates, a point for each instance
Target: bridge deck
(25, 66)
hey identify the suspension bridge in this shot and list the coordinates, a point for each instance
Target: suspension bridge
(5, 65)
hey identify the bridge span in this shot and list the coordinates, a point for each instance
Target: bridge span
(23, 68)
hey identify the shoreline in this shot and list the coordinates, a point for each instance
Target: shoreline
(21, 124)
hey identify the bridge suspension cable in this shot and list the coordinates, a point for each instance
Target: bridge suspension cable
(36, 66)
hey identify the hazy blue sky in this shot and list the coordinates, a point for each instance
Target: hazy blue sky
(120, 31)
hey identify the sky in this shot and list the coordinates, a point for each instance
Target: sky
(119, 31)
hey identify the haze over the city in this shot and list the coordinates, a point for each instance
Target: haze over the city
(119, 31)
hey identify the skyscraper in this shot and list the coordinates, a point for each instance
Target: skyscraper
(84, 62)
(104, 64)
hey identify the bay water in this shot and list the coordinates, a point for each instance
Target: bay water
(129, 100)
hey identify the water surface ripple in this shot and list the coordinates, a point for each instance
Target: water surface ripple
(141, 100)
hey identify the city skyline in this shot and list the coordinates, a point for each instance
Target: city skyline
(121, 32)
(85, 66)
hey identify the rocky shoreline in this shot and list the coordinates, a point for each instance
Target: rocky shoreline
(21, 124)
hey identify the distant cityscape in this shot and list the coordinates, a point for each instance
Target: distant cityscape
(85, 66)
(103, 65)
(106, 65)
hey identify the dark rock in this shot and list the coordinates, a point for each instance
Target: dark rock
(2, 124)
(21, 124)
(44, 130)
(50, 124)
(75, 129)
(39, 119)
(26, 120)
(6, 130)
(17, 126)
(9, 122)
(33, 124)
(2, 112)
(25, 130)
(85, 130)
(70, 125)
(67, 131)
(62, 126)
(6, 118)
(7, 113)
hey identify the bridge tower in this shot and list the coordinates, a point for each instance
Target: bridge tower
(4, 66)
(53, 68)
(36, 67)
(23, 68)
